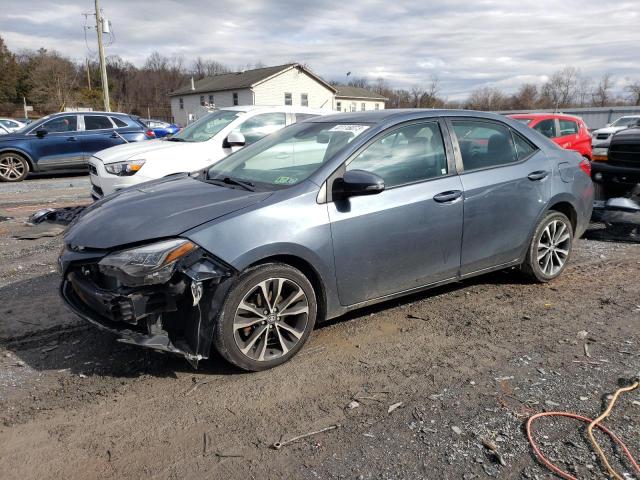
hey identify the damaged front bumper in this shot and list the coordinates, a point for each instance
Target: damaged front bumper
(176, 317)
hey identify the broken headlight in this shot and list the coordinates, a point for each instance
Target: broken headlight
(124, 169)
(146, 265)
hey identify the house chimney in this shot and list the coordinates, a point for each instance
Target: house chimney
(193, 84)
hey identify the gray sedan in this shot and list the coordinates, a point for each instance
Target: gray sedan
(323, 217)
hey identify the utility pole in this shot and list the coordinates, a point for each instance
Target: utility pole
(103, 64)
(88, 75)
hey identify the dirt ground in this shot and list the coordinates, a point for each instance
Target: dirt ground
(467, 363)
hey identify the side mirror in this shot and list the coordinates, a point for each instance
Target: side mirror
(356, 183)
(235, 139)
(41, 132)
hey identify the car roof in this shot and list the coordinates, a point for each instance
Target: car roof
(543, 115)
(399, 115)
(278, 108)
(93, 112)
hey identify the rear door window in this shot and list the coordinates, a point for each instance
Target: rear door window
(97, 122)
(547, 128)
(568, 127)
(484, 144)
(262, 125)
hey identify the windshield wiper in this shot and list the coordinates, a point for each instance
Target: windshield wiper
(232, 181)
(175, 139)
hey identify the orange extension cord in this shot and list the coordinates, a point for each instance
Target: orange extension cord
(592, 424)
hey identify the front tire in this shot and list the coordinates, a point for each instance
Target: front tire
(266, 318)
(13, 167)
(550, 248)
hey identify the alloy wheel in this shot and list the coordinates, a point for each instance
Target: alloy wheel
(11, 168)
(553, 247)
(271, 319)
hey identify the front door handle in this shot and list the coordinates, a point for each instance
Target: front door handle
(537, 175)
(448, 196)
(71, 139)
(113, 135)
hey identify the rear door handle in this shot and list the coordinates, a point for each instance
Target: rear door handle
(448, 196)
(537, 175)
(71, 139)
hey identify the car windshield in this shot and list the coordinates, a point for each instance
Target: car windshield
(625, 121)
(206, 127)
(289, 156)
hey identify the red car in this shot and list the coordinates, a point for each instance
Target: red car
(566, 130)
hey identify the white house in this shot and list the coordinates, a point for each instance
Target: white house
(290, 84)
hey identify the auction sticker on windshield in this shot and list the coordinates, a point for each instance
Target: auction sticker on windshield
(353, 128)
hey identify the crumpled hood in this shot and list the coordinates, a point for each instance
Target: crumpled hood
(158, 209)
(127, 151)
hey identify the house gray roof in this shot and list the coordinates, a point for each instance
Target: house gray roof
(239, 80)
(345, 91)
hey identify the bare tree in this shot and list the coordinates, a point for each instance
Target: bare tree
(634, 92)
(602, 93)
(525, 98)
(486, 98)
(560, 90)
(53, 79)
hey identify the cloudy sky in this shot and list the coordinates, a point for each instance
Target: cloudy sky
(466, 43)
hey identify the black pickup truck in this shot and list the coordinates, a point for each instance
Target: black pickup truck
(619, 175)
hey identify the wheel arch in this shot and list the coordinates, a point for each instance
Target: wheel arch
(308, 270)
(22, 153)
(565, 207)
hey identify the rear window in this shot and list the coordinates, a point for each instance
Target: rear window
(119, 123)
(97, 122)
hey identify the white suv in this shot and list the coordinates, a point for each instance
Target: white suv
(602, 136)
(202, 143)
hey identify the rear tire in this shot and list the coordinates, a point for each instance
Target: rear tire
(550, 248)
(13, 167)
(266, 318)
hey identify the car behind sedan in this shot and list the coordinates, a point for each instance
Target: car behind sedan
(206, 141)
(64, 142)
(566, 130)
(320, 218)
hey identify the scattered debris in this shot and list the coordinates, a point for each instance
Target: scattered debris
(456, 430)
(586, 350)
(551, 403)
(582, 335)
(82, 375)
(280, 444)
(61, 216)
(353, 404)
(416, 317)
(395, 406)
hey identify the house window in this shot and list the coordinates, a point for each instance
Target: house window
(353, 106)
(235, 98)
(181, 102)
(304, 99)
(202, 100)
(210, 99)
(363, 106)
(287, 99)
(377, 106)
(339, 106)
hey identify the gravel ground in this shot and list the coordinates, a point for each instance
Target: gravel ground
(416, 385)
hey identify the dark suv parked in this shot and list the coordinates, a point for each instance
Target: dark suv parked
(65, 142)
(620, 172)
